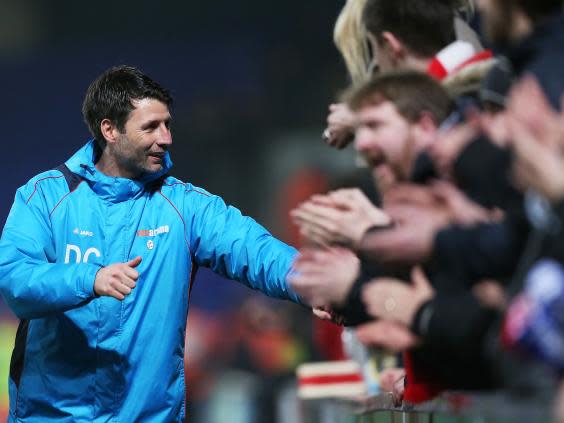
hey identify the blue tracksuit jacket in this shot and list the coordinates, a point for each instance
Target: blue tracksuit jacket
(82, 358)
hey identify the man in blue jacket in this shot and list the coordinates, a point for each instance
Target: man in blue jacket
(97, 258)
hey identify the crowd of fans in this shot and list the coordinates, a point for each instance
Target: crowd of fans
(459, 264)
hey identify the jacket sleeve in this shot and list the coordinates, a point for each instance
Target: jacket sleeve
(496, 249)
(448, 321)
(237, 247)
(31, 282)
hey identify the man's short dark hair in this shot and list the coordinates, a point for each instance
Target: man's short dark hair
(413, 93)
(424, 26)
(111, 95)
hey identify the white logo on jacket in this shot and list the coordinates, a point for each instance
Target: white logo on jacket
(78, 257)
(82, 232)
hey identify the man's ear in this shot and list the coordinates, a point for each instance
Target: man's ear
(109, 131)
(426, 131)
(393, 45)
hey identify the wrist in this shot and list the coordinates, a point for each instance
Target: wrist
(422, 319)
(94, 290)
(341, 301)
(359, 246)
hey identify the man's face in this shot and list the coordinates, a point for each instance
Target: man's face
(142, 146)
(497, 20)
(384, 138)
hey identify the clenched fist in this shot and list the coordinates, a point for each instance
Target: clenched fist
(118, 279)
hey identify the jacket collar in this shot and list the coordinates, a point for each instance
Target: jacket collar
(111, 188)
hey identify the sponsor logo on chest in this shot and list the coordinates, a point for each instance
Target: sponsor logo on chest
(154, 232)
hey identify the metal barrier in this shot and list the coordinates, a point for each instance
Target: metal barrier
(449, 408)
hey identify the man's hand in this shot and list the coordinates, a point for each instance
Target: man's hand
(324, 314)
(462, 209)
(386, 334)
(341, 217)
(340, 126)
(393, 380)
(324, 277)
(389, 376)
(411, 240)
(539, 162)
(537, 135)
(118, 279)
(395, 300)
(529, 105)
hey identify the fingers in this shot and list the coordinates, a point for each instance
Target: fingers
(350, 199)
(308, 255)
(123, 288)
(311, 211)
(131, 273)
(315, 235)
(306, 268)
(341, 115)
(116, 294)
(528, 102)
(321, 314)
(386, 334)
(346, 193)
(324, 277)
(419, 280)
(114, 291)
(319, 227)
(130, 282)
(390, 376)
(338, 218)
(443, 189)
(117, 280)
(398, 390)
(322, 200)
(134, 262)
(340, 126)
(337, 138)
(121, 283)
(316, 260)
(371, 333)
(309, 286)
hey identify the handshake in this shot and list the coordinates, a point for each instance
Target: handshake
(344, 226)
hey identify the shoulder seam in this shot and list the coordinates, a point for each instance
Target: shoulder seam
(188, 189)
(65, 196)
(181, 219)
(37, 182)
(199, 192)
(174, 183)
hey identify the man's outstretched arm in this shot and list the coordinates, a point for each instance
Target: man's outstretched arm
(237, 247)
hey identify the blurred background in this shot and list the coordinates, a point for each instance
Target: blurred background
(252, 81)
